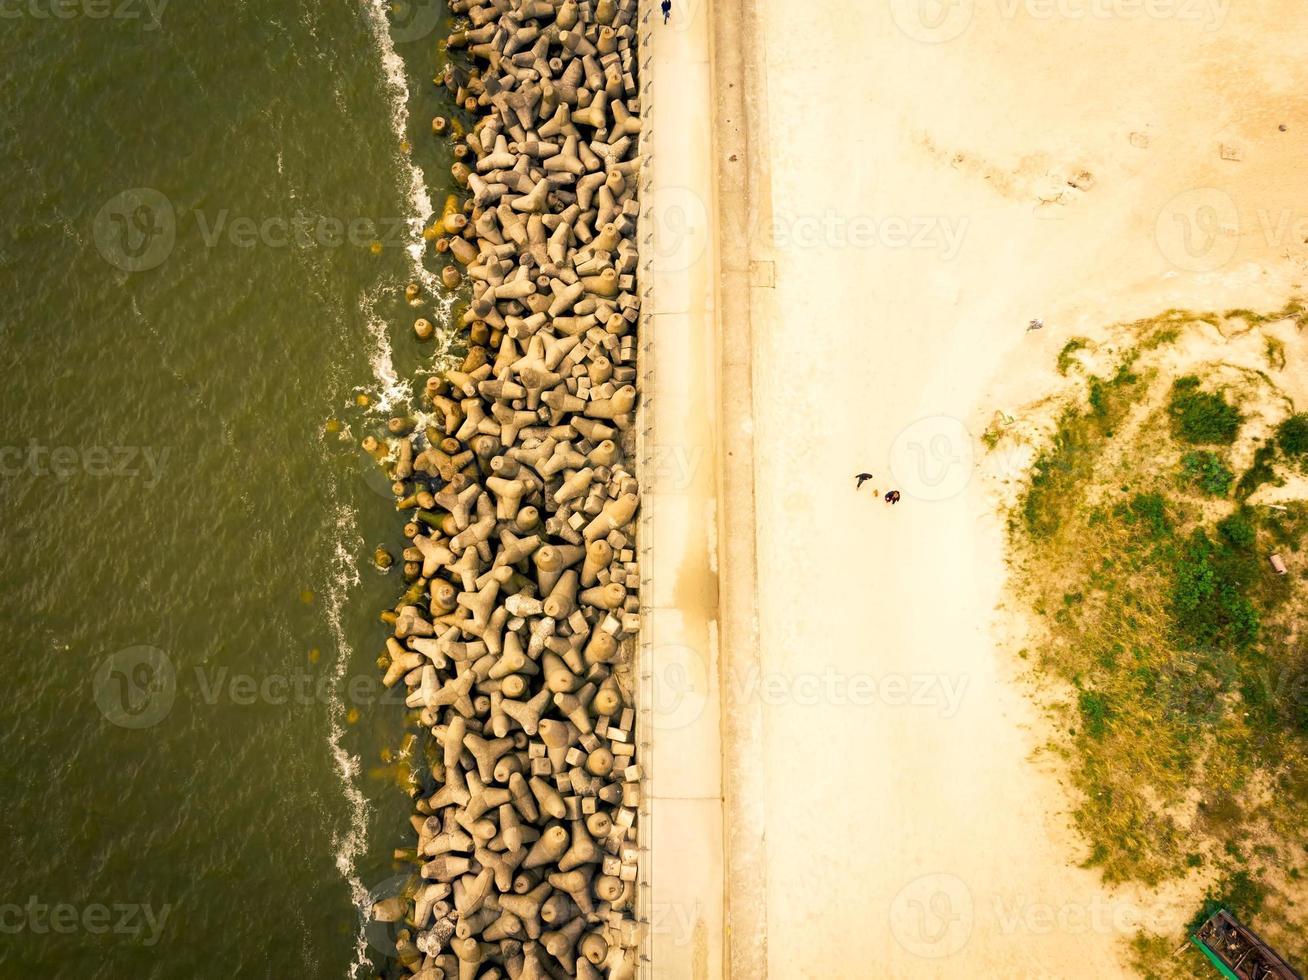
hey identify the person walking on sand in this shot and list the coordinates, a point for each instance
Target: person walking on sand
(861, 478)
(892, 497)
(667, 10)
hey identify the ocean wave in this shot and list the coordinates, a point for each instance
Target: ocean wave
(421, 210)
(391, 390)
(344, 576)
(397, 90)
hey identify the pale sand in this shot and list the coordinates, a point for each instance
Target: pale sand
(919, 840)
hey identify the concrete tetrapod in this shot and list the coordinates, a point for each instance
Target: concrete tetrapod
(515, 635)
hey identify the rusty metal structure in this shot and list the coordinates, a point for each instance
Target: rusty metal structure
(1237, 951)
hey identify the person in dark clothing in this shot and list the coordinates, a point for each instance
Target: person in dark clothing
(892, 497)
(861, 478)
(667, 10)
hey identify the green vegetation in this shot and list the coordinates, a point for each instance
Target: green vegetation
(1237, 529)
(1152, 954)
(1202, 417)
(1186, 729)
(995, 430)
(1292, 435)
(1235, 891)
(1292, 310)
(1069, 462)
(1259, 472)
(1150, 511)
(1094, 713)
(1204, 469)
(1211, 607)
(1274, 351)
(1065, 356)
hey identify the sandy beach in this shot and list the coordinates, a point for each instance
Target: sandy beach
(922, 181)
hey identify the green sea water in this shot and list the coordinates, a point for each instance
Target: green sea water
(192, 301)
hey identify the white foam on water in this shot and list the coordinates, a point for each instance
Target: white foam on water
(348, 846)
(391, 391)
(397, 90)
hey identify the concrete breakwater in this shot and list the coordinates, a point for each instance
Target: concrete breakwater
(515, 638)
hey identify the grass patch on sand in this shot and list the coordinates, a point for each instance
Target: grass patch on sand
(1067, 356)
(1292, 435)
(1184, 722)
(1202, 417)
(1205, 470)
